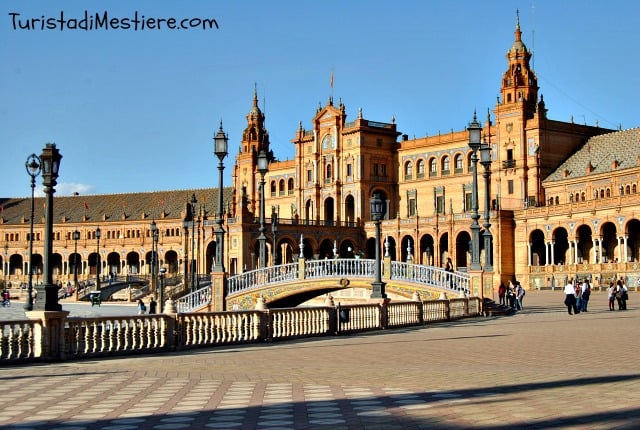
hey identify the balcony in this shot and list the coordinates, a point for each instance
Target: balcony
(509, 164)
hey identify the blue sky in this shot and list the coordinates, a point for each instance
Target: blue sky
(136, 110)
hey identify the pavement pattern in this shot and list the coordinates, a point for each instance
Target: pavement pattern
(538, 369)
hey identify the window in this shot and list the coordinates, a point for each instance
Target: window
(290, 186)
(281, 187)
(309, 176)
(440, 204)
(272, 185)
(457, 162)
(349, 169)
(468, 202)
(510, 186)
(383, 170)
(445, 165)
(412, 207)
(433, 168)
(420, 168)
(328, 173)
(378, 142)
(408, 170)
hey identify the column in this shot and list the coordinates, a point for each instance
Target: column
(546, 253)
(575, 249)
(529, 254)
(553, 257)
(626, 252)
(620, 260)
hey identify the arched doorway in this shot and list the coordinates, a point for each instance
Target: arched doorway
(349, 211)
(329, 211)
(133, 263)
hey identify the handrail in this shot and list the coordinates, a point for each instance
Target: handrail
(349, 268)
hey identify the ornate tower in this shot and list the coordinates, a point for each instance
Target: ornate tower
(255, 138)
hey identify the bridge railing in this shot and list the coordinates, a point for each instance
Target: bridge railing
(260, 277)
(349, 268)
(62, 338)
(194, 300)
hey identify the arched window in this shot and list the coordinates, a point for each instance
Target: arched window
(602, 194)
(408, 170)
(281, 187)
(608, 192)
(290, 186)
(420, 168)
(457, 160)
(273, 188)
(633, 188)
(328, 172)
(433, 168)
(445, 165)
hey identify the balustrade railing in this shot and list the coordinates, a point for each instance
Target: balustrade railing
(79, 338)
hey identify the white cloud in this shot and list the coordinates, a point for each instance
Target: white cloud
(67, 189)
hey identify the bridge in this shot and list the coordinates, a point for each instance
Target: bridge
(289, 285)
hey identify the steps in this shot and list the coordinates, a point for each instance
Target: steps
(490, 308)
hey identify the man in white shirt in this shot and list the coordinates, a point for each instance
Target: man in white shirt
(570, 297)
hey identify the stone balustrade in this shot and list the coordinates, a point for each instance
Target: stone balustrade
(53, 336)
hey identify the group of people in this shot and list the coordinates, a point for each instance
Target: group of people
(618, 292)
(142, 308)
(511, 295)
(577, 295)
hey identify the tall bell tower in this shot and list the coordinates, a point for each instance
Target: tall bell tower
(255, 138)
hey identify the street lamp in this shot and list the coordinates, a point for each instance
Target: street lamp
(193, 243)
(162, 272)
(50, 159)
(274, 231)
(98, 234)
(377, 211)
(485, 160)
(154, 249)
(220, 142)
(263, 163)
(76, 237)
(474, 143)
(33, 169)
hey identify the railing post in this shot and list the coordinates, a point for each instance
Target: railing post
(301, 268)
(416, 298)
(218, 291)
(49, 341)
(386, 275)
(333, 318)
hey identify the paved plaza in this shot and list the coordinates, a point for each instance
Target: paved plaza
(538, 369)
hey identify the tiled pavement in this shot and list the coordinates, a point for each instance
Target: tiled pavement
(540, 368)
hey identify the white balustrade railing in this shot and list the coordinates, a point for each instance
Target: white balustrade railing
(86, 337)
(195, 300)
(79, 338)
(248, 281)
(349, 268)
(17, 339)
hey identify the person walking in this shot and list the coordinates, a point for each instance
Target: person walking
(502, 291)
(586, 293)
(611, 296)
(624, 294)
(619, 295)
(519, 294)
(152, 306)
(570, 297)
(141, 307)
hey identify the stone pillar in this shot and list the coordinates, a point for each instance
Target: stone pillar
(49, 337)
(218, 289)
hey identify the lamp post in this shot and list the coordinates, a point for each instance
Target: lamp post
(154, 249)
(263, 163)
(33, 169)
(192, 262)
(98, 234)
(274, 231)
(50, 159)
(220, 142)
(485, 160)
(377, 211)
(76, 237)
(474, 143)
(161, 300)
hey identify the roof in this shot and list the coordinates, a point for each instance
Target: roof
(606, 153)
(113, 207)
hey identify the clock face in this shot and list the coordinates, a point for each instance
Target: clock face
(328, 142)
